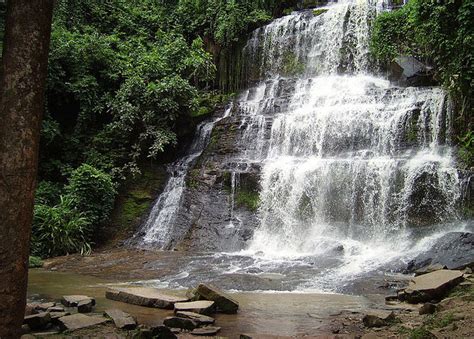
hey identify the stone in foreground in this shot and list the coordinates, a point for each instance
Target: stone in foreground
(224, 302)
(431, 286)
(85, 306)
(121, 319)
(427, 308)
(73, 300)
(78, 321)
(378, 318)
(142, 296)
(210, 330)
(162, 332)
(183, 323)
(201, 319)
(201, 307)
(37, 321)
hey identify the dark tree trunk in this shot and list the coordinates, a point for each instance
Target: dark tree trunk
(22, 83)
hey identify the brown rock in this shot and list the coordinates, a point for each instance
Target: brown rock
(37, 321)
(378, 318)
(142, 296)
(176, 322)
(73, 300)
(77, 321)
(224, 302)
(427, 308)
(201, 319)
(201, 307)
(121, 319)
(431, 286)
(85, 306)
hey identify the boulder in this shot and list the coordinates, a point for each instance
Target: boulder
(30, 309)
(378, 318)
(162, 332)
(77, 321)
(410, 72)
(431, 286)
(142, 296)
(427, 308)
(85, 306)
(121, 319)
(183, 323)
(201, 307)
(455, 250)
(56, 315)
(201, 319)
(37, 321)
(224, 302)
(73, 300)
(206, 331)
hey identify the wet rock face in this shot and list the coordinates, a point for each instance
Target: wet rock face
(454, 251)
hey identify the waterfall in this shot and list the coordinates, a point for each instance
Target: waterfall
(351, 167)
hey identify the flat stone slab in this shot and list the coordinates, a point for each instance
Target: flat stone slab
(201, 319)
(224, 302)
(121, 319)
(143, 296)
(429, 286)
(74, 300)
(201, 307)
(79, 320)
(210, 330)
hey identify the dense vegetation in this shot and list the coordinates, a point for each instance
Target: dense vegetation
(127, 82)
(441, 34)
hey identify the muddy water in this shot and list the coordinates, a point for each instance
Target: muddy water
(269, 313)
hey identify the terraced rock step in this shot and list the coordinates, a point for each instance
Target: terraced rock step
(74, 300)
(143, 296)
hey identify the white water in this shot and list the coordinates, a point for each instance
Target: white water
(352, 164)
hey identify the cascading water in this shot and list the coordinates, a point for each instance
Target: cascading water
(350, 164)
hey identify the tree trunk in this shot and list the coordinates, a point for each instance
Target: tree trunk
(22, 83)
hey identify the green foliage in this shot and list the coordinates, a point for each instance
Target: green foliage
(208, 102)
(59, 230)
(92, 192)
(466, 149)
(440, 33)
(35, 262)
(291, 66)
(247, 198)
(319, 11)
(47, 193)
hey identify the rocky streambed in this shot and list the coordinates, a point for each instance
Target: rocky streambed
(381, 305)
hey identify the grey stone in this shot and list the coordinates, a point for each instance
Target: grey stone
(142, 296)
(201, 319)
(73, 300)
(224, 302)
(78, 321)
(163, 332)
(37, 321)
(176, 322)
(201, 307)
(427, 308)
(455, 250)
(45, 306)
(121, 319)
(85, 306)
(56, 309)
(378, 318)
(431, 286)
(209, 330)
(429, 269)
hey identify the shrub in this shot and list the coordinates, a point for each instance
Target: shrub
(59, 230)
(47, 193)
(35, 262)
(92, 192)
